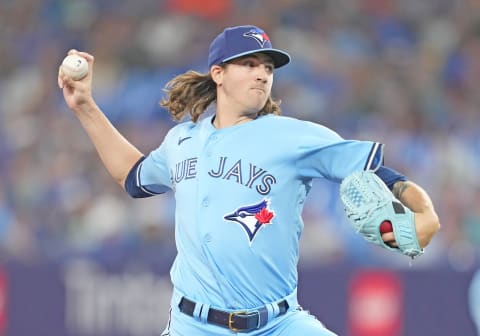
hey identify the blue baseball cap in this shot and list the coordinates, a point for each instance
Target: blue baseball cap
(240, 41)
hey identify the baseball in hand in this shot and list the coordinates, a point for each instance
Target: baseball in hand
(75, 67)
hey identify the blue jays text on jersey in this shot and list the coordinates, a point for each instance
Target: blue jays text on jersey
(241, 173)
(239, 195)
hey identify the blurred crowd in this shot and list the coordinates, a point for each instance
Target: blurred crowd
(405, 73)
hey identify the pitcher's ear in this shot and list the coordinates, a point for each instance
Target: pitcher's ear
(216, 71)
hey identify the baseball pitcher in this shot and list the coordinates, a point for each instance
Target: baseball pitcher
(240, 178)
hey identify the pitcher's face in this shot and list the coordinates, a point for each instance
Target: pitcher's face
(247, 82)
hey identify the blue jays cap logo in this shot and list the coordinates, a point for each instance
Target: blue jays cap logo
(252, 217)
(258, 35)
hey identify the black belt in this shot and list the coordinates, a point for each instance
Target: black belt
(235, 321)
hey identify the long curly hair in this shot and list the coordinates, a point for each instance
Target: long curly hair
(193, 92)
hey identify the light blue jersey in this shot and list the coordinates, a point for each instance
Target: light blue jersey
(239, 195)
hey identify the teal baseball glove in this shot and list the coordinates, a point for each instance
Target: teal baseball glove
(368, 203)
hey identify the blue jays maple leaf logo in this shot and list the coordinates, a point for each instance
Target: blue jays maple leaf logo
(258, 35)
(252, 217)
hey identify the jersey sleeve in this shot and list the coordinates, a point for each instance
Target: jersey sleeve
(325, 154)
(153, 175)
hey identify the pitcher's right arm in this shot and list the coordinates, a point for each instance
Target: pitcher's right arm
(116, 152)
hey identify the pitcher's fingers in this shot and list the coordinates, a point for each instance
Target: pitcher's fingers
(67, 81)
(86, 55)
(63, 79)
(388, 237)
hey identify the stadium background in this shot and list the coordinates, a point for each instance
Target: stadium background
(78, 257)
